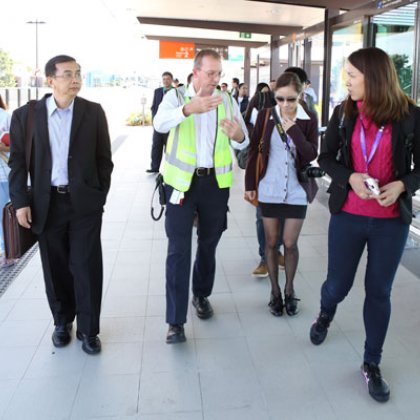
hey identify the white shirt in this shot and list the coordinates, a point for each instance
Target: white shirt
(5, 119)
(170, 115)
(59, 128)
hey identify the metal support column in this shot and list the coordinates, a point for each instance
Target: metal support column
(247, 66)
(329, 13)
(274, 57)
(416, 58)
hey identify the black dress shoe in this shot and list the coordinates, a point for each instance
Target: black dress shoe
(276, 305)
(203, 307)
(152, 171)
(175, 334)
(61, 335)
(290, 303)
(91, 344)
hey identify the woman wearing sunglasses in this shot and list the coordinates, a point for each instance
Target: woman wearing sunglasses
(287, 137)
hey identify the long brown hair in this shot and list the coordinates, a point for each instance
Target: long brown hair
(384, 99)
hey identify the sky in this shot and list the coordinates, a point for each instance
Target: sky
(99, 38)
(84, 29)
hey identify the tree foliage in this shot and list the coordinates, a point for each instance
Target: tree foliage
(7, 79)
(404, 71)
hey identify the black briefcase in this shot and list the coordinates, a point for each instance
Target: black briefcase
(17, 239)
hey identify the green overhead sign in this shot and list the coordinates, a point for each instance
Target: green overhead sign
(246, 35)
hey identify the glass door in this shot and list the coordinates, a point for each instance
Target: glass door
(344, 42)
(394, 33)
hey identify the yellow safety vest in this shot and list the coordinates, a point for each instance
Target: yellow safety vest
(181, 150)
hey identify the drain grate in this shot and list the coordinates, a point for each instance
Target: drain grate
(9, 272)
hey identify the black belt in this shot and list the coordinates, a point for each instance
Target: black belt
(60, 189)
(204, 171)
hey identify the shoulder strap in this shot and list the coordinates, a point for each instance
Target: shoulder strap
(279, 127)
(267, 114)
(29, 133)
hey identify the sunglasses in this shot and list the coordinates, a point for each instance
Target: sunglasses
(283, 99)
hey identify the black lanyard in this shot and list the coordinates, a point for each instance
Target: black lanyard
(281, 131)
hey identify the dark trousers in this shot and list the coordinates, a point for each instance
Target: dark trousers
(347, 237)
(71, 255)
(209, 202)
(158, 145)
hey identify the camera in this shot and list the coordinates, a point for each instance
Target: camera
(310, 171)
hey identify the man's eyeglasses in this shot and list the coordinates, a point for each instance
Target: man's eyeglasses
(283, 99)
(212, 74)
(68, 76)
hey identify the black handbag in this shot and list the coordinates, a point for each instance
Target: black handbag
(17, 239)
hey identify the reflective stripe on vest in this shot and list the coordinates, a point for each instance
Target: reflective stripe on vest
(181, 153)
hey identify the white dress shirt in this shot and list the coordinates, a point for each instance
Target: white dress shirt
(170, 115)
(59, 128)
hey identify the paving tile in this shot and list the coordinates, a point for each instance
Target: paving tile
(43, 398)
(168, 392)
(105, 395)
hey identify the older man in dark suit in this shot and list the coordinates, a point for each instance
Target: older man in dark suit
(159, 139)
(70, 172)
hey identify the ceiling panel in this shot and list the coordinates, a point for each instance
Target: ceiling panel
(331, 4)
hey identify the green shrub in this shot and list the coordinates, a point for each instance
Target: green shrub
(136, 118)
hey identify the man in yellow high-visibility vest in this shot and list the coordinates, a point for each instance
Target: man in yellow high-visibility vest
(203, 124)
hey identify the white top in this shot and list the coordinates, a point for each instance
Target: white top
(59, 128)
(5, 119)
(280, 184)
(170, 115)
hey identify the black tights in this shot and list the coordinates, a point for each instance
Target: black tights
(291, 231)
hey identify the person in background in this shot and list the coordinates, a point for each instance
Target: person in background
(378, 138)
(189, 79)
(70, 174)
(203, 124)
(309, 90)
(290, 142)
(5, 119)
(242, 98)
(159, 139)
(272, 85)
(235, 87)
(224, 87)
(261, 99)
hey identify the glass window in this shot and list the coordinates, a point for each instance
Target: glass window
(317, 70)
(344, 42)
(394, 33)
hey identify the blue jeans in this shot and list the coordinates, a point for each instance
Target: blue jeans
(4, 198)
(261, 234)
(347, 237)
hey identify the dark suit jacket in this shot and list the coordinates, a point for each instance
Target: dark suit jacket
(243, 105)
(157, 99)
(340, 169)
(305, 136)
(89, 161)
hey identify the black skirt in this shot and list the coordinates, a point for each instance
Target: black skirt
(282, 211)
